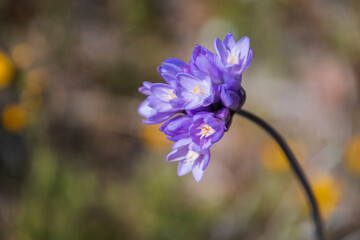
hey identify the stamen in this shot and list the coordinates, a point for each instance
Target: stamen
(172, 95)
(197, 90)
(206, 131)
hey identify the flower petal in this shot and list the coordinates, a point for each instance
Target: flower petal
(177, 127)
(241, 48)
(181, 143)
(230, 99)
(145, 89)
(159, 105)
(221, 50)
(206, 159)
(144, 109)
(184, 168)
(177, 154)
(194, 147)
(248, 60)
(197, 172)
(193, 102)
(169, 68)
(158, 117)
(162, 91)
(229, 40)
(187, 81)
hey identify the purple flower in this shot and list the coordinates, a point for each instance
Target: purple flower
(189, 158)
(177, 127)
(203, 63)
(152, 116)
(198, 100)
(233, 57)
(170, 68)
(231, 95)
(161, 104)
(195, 92)
(206, 129)
(145, 89)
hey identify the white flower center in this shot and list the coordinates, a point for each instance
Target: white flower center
(205, 131)
(232, 59)
(191, 156)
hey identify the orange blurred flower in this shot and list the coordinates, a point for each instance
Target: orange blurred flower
(13, 118)
(352, 155)
(273, 158)
(153, 138)
(327, 192)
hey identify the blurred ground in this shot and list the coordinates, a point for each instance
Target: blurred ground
(76, 162)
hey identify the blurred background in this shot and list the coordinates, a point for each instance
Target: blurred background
(76, 162)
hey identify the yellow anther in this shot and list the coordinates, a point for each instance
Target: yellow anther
(205, 130)
(172, 95)
(197, 90)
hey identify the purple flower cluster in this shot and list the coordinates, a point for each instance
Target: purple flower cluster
(198, 100)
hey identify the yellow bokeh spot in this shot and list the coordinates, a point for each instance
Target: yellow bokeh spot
(274, 159)
(352, 155)
(153, 138)
(6, 71)
(22, 56)
(327, 193)
(13, 118)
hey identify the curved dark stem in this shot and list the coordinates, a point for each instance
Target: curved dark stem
(295, 167)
